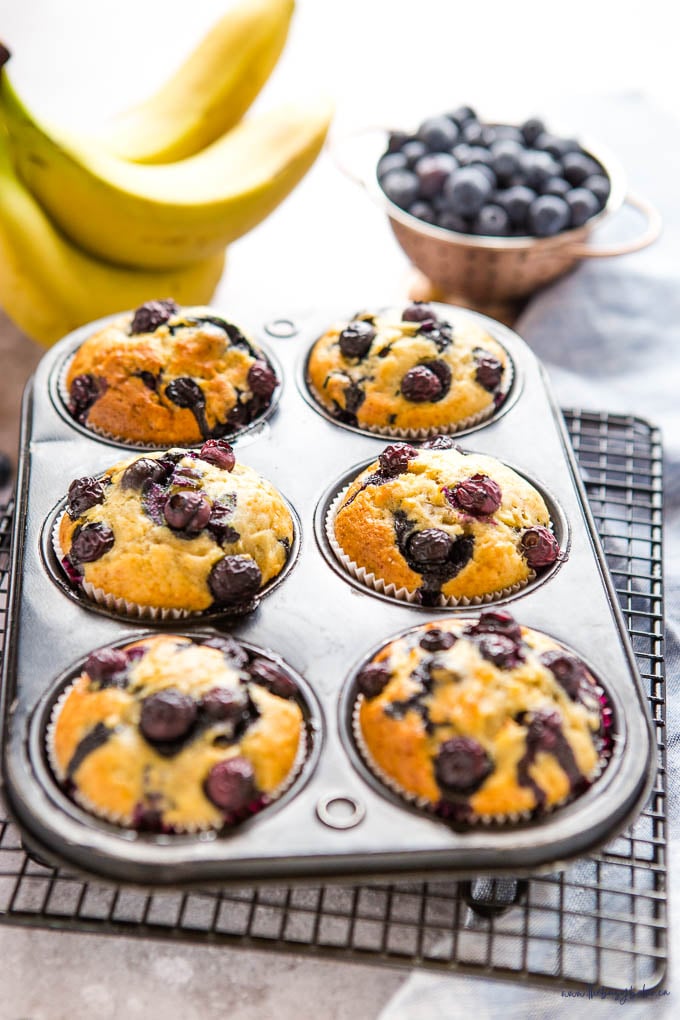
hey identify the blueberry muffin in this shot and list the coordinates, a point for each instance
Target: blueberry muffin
(171, 735)
(183, 531)
(434, 524)
(408, 372)
(481, 719)
(165, 375)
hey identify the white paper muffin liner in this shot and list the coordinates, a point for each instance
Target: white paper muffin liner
(125, 821)
(450, 429)
(432, 808)
(378, 584)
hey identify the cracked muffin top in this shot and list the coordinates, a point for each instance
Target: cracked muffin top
(409, 369)
(181, 530)
(437, 522)
(481, 717)
(165, 375)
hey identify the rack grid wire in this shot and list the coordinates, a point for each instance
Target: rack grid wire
(600, 923)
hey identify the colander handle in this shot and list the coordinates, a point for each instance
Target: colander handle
(337, 145)
(647, 237)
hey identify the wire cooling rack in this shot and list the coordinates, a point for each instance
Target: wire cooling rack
(601, 923)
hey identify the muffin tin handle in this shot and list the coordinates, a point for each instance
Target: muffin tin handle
(643, 240)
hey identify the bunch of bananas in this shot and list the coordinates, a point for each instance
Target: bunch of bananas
(93, 225)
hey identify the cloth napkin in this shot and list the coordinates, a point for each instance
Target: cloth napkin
(609, 336)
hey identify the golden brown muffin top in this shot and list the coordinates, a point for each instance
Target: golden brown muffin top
(169, 734)
(481, 717)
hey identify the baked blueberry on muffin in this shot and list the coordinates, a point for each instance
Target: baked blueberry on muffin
(169, 734)
(184, 531)
(165, 375)
(431, 524)
(481, 718)
(409, 370)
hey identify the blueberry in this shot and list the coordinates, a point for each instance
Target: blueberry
(413, 150)
(501, 650)
(544, 730)
(356, 339)
(273, 677)
(394, 460)
(478, 495)
(583, 204)
(419, 311)
(235, 653)
(84, 493)
(231, 784)
(600, 187)
(187, 511)
(449, 220)
(440, 443)
(167, 715)
(185, 393)
(487, 171)
(569, 671)
(422, 211)
(104, 663)
(461, 153)
(432, 170)
(467, 190)
(557, 147)
(83, 392)
(91, 543)
(372, 679)
(436, 640)
(431, 545)
(505, 158)
(262, 379)
(539, 547)
(537, 168)
(489, 370)
(151, 315)
(396, 140)
(492, 221)
(556, 186)
(223, 703)
(401, 187)
(477, 156)
(143, 470)
(473, 133)
(461, 115)
(391, 161)
(439, 134)
(219, 453)
(548, 215)
(531, 129)
(509, 132)
(422, 384)
(516, 201)
(234, 580)
(461, 765)
(577, 167)
(496, 621)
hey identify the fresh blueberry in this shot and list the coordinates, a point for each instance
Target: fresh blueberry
(548, 215)
(372, 679)
(273, 677)
(231, 784)
(432, 170)
(583, 204)
(516, 202)
(539, 546)
(531, 129)
(414, 150)
(449, 220)
(538, 167)
(401, 187)
(461, 765)
(391, 161)
(422, 211)
(356, 338)
(431, 545)
(492, 221)
(557, 147)
(461, 115)
(396, 140)
(473, 133)
(505, 158)
(395, 459)
(509, 132)
(477, 156)
(467, 190)
(151, 315)
(600, 187)
(234, 580)
(436, 640)
(262, 379)
(439, 134)
(84, 493)
(167, 715)
(478, 495)
(556, 186)
(577, 167)
(219, 453)
(91, 542)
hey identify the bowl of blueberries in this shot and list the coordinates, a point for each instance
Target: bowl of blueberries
(491, 212)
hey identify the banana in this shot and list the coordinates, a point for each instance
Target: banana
(210, 92)
(48, 287)
(160, 217)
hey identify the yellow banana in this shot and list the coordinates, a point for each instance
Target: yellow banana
(211, 90)
(48, 287)
(160, 217)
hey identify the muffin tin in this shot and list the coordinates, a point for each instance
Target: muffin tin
(336, 823)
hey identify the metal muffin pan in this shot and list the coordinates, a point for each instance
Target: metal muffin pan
(338, 824)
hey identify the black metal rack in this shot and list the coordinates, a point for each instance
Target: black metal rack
(601, 923)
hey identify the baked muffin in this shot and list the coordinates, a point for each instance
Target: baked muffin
(164, 376)
(169, 734)
(435, 525)
(176, 532)
(409, 372)
(481, 719)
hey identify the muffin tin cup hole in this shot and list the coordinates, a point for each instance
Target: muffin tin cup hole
(56, 574)
(56, 385)
(340, 811)
(39, 722)
(325, 506)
